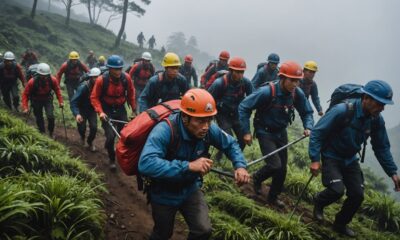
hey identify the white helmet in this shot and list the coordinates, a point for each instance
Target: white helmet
(9, 56)
(43, 69)
(146, 56)
(94, 72)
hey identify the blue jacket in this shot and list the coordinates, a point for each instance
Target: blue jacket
(166, 174)
(333, 138)
(273, 114)
(310, 88)
(263, 75)
(189, 73)
(229, 95)
(80, 102)
(157, 90)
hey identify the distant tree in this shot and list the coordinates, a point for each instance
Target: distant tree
(125, 7)
(33, 12)
(177, 43)
(192, 42)
(68, 5)
(96, 7)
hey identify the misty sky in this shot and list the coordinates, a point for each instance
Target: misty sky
(351, 40)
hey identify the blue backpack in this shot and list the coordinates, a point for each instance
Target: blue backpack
(343, 94)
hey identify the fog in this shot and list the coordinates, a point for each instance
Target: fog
(351, 40)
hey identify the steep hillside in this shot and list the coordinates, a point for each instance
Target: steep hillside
(49, 37)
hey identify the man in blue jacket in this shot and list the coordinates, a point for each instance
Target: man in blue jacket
(164, 86)
(175, 158)
(266, 72)
(188, 71)
(275, 104)
(309, 86)
(228, 91)
(337, 138)
(83, 110)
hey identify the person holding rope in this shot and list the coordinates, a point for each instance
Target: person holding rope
(275, 104)
(83, 110)
(110, 92)
(337, 138)
(175, 157)
(39, 91)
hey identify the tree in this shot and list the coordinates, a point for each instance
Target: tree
(177, 43)
(127, 6)
(68, 5)
(33, 12)
(95, 8)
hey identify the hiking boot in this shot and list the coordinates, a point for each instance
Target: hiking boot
(256, 185)
(318, 212)
(343, 229)
(82, 142)
(276, 202)
(112, 166)
(92, 148)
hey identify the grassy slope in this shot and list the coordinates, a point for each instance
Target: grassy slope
(48, 35)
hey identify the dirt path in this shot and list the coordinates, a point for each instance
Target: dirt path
(128, 215)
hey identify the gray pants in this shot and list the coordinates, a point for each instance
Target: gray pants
(195, 212)
(71, 88)
(10, 92)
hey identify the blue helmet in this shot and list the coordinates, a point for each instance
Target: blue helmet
(273, 58)
(379, 90)
(115, 61)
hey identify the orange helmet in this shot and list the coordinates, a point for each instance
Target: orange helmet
(224, 55)
(237, 63)
(291, 69)
(198, 103)
(188, 58)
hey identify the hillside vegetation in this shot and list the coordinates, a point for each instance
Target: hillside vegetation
(49, 37)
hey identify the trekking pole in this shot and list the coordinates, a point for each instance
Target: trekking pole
(65, 127)
(28, 114)
(113, 127)
(226, 174)
(118, 121)
(276, 151)
(301, 195)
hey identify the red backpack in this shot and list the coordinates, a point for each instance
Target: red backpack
(135, 133)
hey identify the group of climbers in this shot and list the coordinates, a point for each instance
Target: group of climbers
(228, 96)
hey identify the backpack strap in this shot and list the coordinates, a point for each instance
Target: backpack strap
(106, 84)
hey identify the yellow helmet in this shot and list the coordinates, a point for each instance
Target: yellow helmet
(171, 60)
(102, 59)
(311, 65)
(73, 55)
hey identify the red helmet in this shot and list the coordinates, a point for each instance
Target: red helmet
(291, 69)
(188, 58)
(198, 102)
(224, 55)
(237, 63)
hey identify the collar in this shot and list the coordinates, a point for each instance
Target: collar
(358, 109)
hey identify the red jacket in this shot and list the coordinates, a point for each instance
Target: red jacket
(41, 93)
(140, 75)
(11, 75)
(73, 74)
(115, 94)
